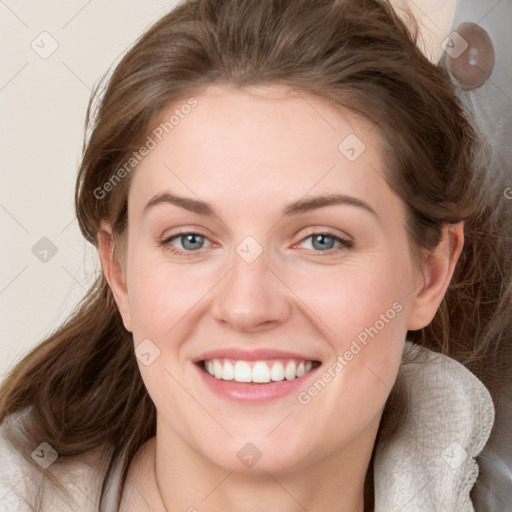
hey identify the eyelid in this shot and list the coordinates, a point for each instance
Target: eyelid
(317, 231)
(183, 231)
(334, 233)
(344, 240)
(343, 243)
(168, 239)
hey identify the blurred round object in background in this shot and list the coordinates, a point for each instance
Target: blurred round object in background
(472, 67)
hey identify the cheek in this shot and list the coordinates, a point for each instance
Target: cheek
(161, 295)
(163, 298)
(362, 312)
(351, 298)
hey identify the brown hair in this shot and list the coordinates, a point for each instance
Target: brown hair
(81, 387)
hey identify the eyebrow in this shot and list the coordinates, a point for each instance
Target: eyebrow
(294, 208)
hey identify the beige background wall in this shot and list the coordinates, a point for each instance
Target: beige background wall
(43, 100)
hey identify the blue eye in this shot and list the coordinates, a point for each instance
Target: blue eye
(323, 242)
(191, 242)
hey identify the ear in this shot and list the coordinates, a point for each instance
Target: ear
(437, 273)
(114, 272)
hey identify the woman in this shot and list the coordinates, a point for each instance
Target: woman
(285, 201)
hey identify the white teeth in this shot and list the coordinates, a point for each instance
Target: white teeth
(228, 372)
(217, 367)
(260, 372)
(277, 372)
(243, 372)
(257, 371)
(290, 372)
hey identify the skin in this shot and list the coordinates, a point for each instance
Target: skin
(248, 153)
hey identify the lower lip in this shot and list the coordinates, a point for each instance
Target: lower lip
(254, 392)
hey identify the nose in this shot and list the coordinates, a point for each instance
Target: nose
(251, 297)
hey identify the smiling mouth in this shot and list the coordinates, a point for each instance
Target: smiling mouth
(258, 372)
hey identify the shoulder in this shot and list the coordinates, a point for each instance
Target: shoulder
(17, 477)
(26, 479)
(431, 464)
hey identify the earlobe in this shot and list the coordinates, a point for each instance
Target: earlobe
(114, 272)
(437, 273)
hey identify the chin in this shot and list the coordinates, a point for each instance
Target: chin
(260, 456)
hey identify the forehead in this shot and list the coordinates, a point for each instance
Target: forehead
(269, 141)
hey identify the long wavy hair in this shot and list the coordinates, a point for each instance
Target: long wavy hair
(80, 389)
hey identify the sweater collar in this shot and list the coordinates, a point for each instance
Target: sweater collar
(430, 465)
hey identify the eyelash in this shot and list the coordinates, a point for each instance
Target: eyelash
(344, 243)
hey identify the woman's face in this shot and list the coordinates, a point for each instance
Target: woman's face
(263, 243)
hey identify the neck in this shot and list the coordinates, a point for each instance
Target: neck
(185, 481)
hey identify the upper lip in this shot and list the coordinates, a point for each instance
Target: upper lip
(245, 354)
